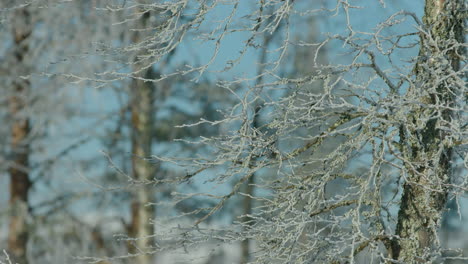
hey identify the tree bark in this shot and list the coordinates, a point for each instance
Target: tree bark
(247, 209)
(19, 170)
(249, 187)
(142, 96)
(425, 190)
(142, 121)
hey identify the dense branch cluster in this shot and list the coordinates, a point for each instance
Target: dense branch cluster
(351, 157)
(333, 150)
(337, 147)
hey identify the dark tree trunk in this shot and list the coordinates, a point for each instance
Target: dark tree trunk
(249, 187)
(247, 209)
(426, 188)
(19, 170)
(142, 111)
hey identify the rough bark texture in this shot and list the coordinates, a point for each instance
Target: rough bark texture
(19, 178)
(142, 126)
(425, 191)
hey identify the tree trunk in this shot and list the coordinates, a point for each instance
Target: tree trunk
(247, 209)
(19, 170)
(142, 96)
(142, 121)
(249, 187)
(425, 190)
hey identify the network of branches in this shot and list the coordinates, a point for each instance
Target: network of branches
(333, 151)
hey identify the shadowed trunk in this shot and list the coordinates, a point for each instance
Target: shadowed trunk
(142, 111)
(19, 170)
(249, 187)
(142, 95)
(247, 204)
(425, 191)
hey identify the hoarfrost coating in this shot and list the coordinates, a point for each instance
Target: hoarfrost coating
(342, 128)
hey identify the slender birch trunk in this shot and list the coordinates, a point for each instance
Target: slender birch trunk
(247, 205)
(142, 96)
(249, 187)
(19, 170)
(142, 111)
